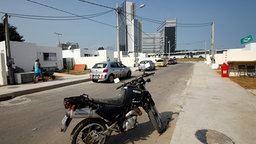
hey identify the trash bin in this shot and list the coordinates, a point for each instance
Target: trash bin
(224, 70)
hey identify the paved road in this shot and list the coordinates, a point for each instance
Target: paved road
(35, 118)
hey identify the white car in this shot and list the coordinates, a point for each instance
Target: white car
(108, 71)
(151, 65)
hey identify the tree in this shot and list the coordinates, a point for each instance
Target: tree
(14, 35)
(101, 48)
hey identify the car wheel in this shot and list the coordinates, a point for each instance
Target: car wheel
(129, 74)
(111, 78)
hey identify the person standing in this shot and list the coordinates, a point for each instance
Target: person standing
(37, 70)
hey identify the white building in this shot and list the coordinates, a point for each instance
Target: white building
(151, 43)
(241, 61)
(24, 55)
(130, 29)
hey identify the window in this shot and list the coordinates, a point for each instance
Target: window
(50, 57)
(100, 65)
(113, 65)
(160, 60)
(250, 68)
(241, 67)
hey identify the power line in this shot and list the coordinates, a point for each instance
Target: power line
(193, 25)
(150, 20)
(191, 43)
(38, 17)
(92, 3)
(70, 13)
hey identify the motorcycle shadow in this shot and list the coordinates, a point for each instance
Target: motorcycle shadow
(141, 132)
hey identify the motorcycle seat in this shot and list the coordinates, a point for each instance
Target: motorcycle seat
(117, 101)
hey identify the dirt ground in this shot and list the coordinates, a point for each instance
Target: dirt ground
(245, 82)
(77, 72)
(189, 59)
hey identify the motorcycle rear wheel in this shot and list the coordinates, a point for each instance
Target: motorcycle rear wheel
(155, 119)
(89, 131)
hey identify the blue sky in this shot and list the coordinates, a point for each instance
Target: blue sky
(233, 20)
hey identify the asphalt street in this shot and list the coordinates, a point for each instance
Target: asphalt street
(35, 117)
(209, 109)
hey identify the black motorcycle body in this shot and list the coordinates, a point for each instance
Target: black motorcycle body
(103, 116)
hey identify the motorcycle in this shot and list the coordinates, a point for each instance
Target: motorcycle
(103, 116)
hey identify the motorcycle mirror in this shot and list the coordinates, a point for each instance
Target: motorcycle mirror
(116, 80)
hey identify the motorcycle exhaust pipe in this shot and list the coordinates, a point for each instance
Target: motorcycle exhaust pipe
(84, 113)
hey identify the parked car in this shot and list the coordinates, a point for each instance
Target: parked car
(160, 63)
(172, 61)
(108, 71)
(143, 63)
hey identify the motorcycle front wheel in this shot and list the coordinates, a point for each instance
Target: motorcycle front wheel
(155, 119)
(89, 131)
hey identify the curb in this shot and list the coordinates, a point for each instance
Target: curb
(9, 96)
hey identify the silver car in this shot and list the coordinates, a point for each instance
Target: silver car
(108, 71)
(143, 63)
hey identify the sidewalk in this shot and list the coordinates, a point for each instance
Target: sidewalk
(216, 110)
(11, 91)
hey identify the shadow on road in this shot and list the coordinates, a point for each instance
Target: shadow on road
(141, 132)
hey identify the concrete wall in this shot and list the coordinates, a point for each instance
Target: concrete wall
(241, 55)
(103, 55)
(248, 53)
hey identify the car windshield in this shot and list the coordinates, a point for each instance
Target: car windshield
(144, 62)
(160, 60)
(100, 65)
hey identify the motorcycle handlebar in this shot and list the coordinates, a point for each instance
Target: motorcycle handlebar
(132, 81)
(148, 74)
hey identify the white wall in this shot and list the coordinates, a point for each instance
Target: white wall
(24, 55)
(71, 53)
(248, 53)
(241, 55)
(3, 74)
(104, 55)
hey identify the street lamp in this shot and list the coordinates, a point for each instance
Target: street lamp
(142, 6)
(170, 47)
(137, 45)
(118, 12)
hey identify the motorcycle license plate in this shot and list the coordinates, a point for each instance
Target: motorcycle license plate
(64, 120)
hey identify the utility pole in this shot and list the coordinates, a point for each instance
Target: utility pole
(118, 32)
(205, 50)
(9, 59)
(165, 48)
(58, 34)
(169, 48)
(213, 51)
